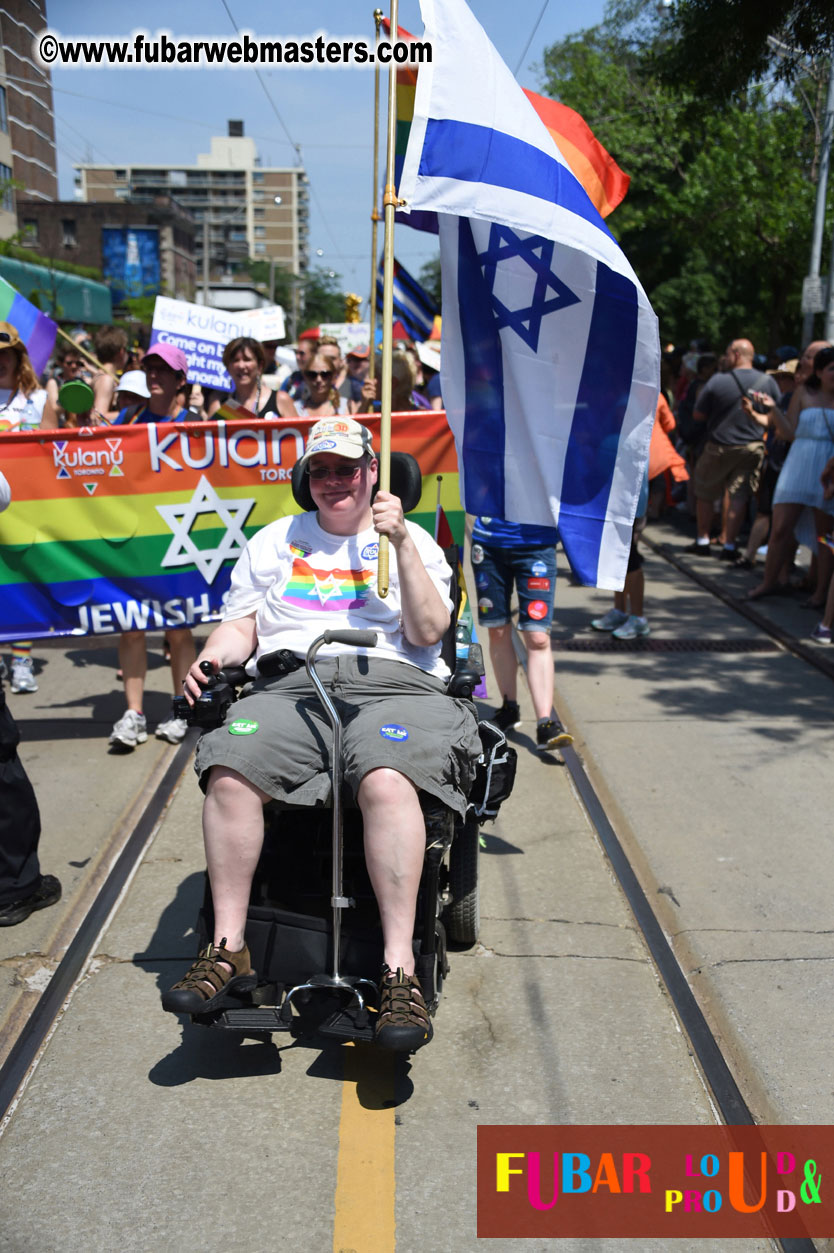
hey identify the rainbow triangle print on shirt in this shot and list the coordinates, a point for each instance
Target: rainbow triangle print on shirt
(334, 590)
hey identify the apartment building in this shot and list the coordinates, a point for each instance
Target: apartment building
(242, 209)
(27, 120)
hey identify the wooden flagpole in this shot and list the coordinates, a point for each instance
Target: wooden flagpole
(376, 216)
(389, 202)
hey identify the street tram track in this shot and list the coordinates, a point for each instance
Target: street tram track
(713, 1065)
(35, 1031)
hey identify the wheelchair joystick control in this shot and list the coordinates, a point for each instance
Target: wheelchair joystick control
(209, 709)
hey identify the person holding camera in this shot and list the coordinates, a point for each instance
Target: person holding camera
(734, 450)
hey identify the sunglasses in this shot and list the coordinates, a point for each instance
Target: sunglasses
(318, 374)
(325, 472)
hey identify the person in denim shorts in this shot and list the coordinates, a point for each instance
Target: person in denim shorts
(507, 555)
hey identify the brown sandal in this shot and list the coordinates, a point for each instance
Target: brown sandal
(403, 1023)
(207, 985)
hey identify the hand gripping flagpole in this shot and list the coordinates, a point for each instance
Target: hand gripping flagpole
(376, 216)
(390, 202)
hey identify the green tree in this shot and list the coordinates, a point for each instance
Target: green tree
(323, 298)
(320, 295)
(717, 219)
(262, 273)
(429, 279)
(717, 47)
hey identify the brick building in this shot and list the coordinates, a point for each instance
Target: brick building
(27, 120)
(71, 231)
(231, 196)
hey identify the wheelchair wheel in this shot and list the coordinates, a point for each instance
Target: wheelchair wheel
(463, 915)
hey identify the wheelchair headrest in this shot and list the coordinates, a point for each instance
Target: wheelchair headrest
(406, 482)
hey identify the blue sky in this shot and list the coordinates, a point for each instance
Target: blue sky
(168, 116)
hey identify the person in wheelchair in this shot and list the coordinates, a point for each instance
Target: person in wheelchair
(298, 577)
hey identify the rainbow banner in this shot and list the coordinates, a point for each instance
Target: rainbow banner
(37, 331)
(137, 527)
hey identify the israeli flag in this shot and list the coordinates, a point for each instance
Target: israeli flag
(551, 357)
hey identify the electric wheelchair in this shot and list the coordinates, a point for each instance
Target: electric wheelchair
(312, 926)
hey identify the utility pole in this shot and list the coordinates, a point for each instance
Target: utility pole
(205, 257)
(812, 288)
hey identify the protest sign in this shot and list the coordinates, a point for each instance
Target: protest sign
(349, 334)
(265, 324)
(202, 333)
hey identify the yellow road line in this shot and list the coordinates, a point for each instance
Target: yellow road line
(365, 1184)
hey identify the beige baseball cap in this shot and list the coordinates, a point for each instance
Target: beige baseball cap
(342, 436)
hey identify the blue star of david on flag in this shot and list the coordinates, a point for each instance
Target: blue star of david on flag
(537, 252)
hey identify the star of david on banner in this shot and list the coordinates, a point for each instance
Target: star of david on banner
(537, 253)
(182, 551)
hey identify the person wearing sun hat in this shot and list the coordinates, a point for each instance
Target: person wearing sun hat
(22, 404)
(298, 577)
(165, 367)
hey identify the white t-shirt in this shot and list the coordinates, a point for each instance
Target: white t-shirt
(14, 406)
(300, 581)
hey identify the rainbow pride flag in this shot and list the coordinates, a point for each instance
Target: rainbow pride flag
(597, 171)
(37, 331)
(137, 527)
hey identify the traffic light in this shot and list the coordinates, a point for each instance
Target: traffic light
(353, 304)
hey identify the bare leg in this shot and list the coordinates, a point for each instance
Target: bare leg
(828, 616)
(503, 658)
(183, 656)
(233, 833)
(785, 517)
(758, 535)
(735, 514)
(704, 513)
(825, 558)
(539, 671)
(395, 845)
(725, 510)
(633, 589)
(133, 662)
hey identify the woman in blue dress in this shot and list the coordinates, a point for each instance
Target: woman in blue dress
(800, 509)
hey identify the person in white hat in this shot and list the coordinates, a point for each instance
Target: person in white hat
(298, 577)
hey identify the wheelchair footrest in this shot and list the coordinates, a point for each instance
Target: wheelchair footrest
(350, 1023)
(255, 1018)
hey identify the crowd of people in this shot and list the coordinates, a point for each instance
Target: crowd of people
(104, 380)
(744, 444)
(757, 435)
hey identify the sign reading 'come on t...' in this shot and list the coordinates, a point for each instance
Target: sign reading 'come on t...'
(202, 333)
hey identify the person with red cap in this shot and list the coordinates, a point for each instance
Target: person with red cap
(165, 368)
